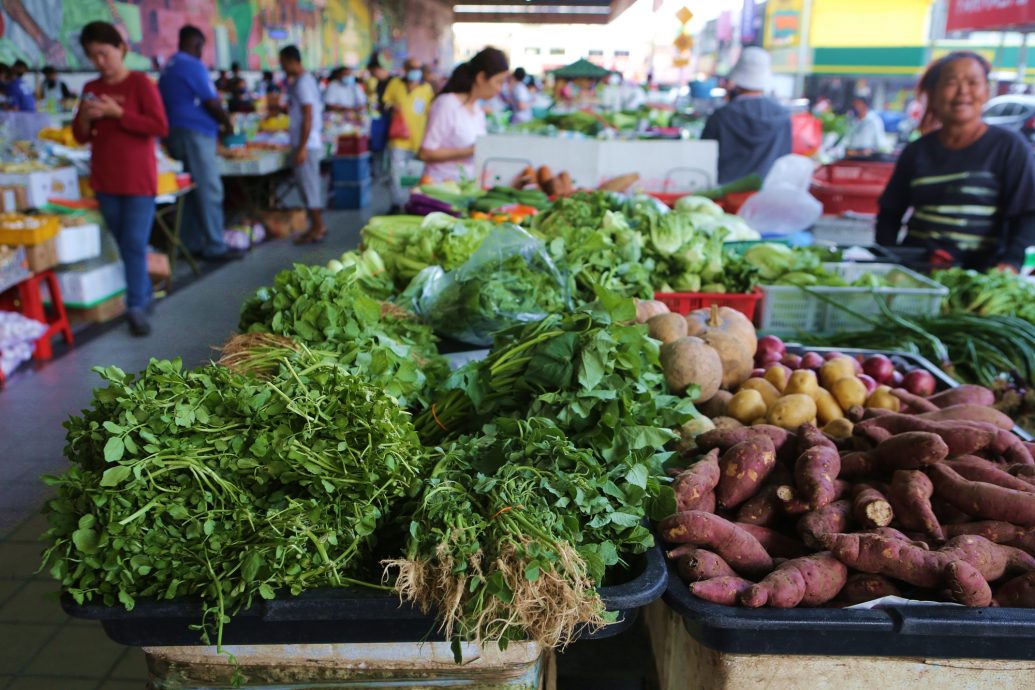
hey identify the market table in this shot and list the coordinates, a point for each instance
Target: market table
(253, 180)
(169, 220)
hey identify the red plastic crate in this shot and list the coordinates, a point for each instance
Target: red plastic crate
(730, 203)
(686, 302)
(853, 186)
(353, 145)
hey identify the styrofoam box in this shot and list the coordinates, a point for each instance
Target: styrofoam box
(92, 283)
(78, 243)
(40, 186)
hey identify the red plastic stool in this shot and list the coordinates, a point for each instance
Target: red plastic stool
(25, 297)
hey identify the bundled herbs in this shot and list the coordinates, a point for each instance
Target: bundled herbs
(985, 294)
(225, 487)
(331, 311)
(515, 527)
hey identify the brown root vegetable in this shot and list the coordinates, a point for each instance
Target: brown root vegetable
(778, 545)
(737, 361)
(726, 423)
(870, 507)
(701, 564)
(809, 581)
(1018, 592)
(814, 528)
(1022, 538)
(981, 470)
(764, 508)
(964, 395)
(648, 308)
(862, 587)
(960, 439)
(910, 494)
(784, 441)
(689, 361)
(815, 474)
(857, 465)
(966, 585)
(809, 436)
(696, 482)
(1025, 473)
(913, 402)
(983, 500)
(793, 503)
(746, 406)
(708, 503)
(791, 411)
(716, 319)
(892, 533)
(970, 413)
(716, 407)
(767, 390)
(910, 450)
(743, 469)
(666, 327)
(720, 590)
(733, 544)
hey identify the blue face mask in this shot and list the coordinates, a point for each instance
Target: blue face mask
(415, 75)
(348, 80)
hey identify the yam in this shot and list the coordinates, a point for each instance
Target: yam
(764, 508)
(778, 545)
(815, 527)
(696, 482)
(981, 470)
(720, 590)
(870, 507)
(701, 564)
(963, 395)
(809, 581)
(966, 585)
(983, 500)
(910, 450)
(689, 361)
(666, 327)
(1018, 592)
(961, 439)
(863, 587)
(910, 495)
(783, 440)
(743, 469)
(970, 413)
(733, 544)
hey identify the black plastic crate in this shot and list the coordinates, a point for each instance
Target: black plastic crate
(326, 616)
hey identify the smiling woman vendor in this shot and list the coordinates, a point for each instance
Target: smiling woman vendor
(971, 186)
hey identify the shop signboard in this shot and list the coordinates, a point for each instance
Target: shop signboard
(783, 20)
(969, 15)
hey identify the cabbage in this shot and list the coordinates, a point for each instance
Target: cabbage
(699, 204)
(771, 260)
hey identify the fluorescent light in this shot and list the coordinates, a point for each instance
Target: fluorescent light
(531, 9)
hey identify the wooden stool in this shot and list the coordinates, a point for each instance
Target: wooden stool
(26, 298)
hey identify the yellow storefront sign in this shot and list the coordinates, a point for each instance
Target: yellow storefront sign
(783, 20)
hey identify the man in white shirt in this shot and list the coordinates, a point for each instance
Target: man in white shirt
(867, 134)
(305, 122)
(344, 95)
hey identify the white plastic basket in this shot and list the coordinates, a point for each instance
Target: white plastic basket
(788, 310)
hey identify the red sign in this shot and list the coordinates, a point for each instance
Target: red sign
(966, 15)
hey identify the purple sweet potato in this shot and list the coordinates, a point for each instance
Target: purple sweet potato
(732, 543)
(964, 395)
(816, 526)
(696, 482)
(701, 564)
(784, 441)
(870, 507)
(982, 500)
(862, 587)
(910, 450)
(807, 581)
(970, 413)
(778, 545)
(1018, 592)
(966, 585)
(743, 469)
(721, 590)
(910, 494)
(980, 470)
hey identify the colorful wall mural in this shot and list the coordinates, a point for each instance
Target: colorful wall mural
(329, 32)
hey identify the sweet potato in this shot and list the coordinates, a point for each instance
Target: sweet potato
(870, 507)
(809, 436)
(960, 439)
(815, 527)
(696, 482)
(764, 508)
(701, 564)
(793, 503)
(1018, 592)
(1022, 538)
(981, 470)
(809, 581)
(983, 500)
(970, 413)
(784, 441)
(892, 533)
(720, 590)
(1025, 473)
(913, 402)
(733, 544)
(910, 494)
(966, 585)
(815, 473)
(862, 587)
(910, 450)
(778, 545)
(964, 395)
(1004, 444)
(858, 464)
(743, 469)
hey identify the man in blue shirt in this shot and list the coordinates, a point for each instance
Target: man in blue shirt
(196, 117)
(19, 94)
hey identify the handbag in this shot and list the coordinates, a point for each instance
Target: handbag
(398, 129)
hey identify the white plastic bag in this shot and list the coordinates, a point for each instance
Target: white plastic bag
(784, 205)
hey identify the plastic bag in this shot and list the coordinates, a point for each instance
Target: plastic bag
(784, 205)
(509, 279)
(18, 336)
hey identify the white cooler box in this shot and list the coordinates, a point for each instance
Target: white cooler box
(93, 282)
(42, 185)
(78, 243)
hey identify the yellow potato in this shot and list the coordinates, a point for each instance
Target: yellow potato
(849, 391)
(827, 409)
(835, 370)
(839, 428)
(769, 392)
(777, 376)
(882, 398)
(746, 406)
(759, 422)
(791, 411)
(804, 382)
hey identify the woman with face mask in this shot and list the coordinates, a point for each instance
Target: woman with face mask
(407, 100)
(456, 120)
(971, 186)
(345, 95)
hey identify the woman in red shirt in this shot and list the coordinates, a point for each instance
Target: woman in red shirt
(121, 115)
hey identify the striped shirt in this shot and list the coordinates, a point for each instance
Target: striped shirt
(977, 203)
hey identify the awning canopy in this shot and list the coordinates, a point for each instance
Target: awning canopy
(581, 69)
(975, 15)
(539, 11)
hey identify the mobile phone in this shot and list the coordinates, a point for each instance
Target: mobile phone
(89, 96)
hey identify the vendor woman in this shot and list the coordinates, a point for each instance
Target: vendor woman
(971, 185)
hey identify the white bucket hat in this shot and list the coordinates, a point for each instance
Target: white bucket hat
(752, 71)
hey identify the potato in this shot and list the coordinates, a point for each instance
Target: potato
(883, 399)
(834, 370)
(768, 391)
(839, 428)
(777, 375)
(849, 391)
(688, 361)
(716, 407)
(761, 421)
(724, 423)
(666, 327)
(827, 409)
(802, 382)
(747, 406)
(791, 411)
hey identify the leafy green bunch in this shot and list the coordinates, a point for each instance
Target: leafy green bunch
(990, 293)
(515, 527)
(331, 311)
(215, 486)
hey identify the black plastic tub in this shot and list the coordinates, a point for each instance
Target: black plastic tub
(941, 631)
(326, 616)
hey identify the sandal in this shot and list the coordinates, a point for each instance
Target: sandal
(311, 237)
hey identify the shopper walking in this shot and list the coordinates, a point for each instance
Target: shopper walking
(196, 118)
(456, 120)
(409, 98)
(121, 114)
(344, 95)
(305, 123)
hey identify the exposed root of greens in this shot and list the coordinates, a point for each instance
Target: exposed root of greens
(257, 354)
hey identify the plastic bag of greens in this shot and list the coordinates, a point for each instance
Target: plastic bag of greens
(510, 279)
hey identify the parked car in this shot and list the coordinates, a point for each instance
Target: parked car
(1016, 112)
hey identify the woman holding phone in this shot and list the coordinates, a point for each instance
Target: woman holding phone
(122, 117)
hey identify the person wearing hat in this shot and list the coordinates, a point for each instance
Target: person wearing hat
(753, 130)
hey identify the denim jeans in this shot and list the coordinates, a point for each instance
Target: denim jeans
(129, 218)
(202, 229)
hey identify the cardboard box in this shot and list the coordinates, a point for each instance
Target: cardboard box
(77, 243)
(89, 284)
(13, 198)
(42, 256)
(60, 183)
(109, 309)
